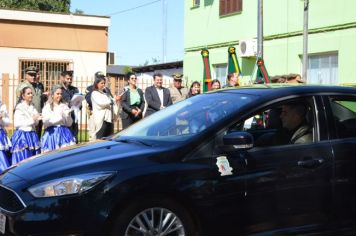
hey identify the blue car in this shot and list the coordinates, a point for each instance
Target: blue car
(265, 159)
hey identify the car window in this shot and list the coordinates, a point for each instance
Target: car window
(187, 118)
(289, 122)
(344, 115)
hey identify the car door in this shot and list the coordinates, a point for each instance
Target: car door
(341, 113)
(287, 187)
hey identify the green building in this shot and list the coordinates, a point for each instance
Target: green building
(216, 25)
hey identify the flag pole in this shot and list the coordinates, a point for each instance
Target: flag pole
(260, 29)
(305, 40)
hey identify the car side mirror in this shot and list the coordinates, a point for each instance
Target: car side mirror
(238, 140)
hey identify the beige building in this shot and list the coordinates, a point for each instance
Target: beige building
(53, 42)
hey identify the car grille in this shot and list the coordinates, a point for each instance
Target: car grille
(9, 200)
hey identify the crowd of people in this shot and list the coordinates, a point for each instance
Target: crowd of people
(36, 109)
(54, 111)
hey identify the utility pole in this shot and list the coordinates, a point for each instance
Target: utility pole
(305, 41)
(260, 29)
(164, 31)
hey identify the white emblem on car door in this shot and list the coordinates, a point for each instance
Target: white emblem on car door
(223, 165)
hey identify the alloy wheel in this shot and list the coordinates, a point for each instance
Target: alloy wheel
(155, 222)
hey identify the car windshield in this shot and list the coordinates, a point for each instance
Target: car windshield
(187, 118)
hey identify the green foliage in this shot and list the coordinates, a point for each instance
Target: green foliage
(127, 69)
(40, 5)
(78, 11)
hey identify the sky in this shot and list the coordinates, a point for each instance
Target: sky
(135, 31)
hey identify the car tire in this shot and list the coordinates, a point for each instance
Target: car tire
(138, 215)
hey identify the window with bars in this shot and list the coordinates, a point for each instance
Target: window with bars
(230, 6)
(49, 70)
(196, 3)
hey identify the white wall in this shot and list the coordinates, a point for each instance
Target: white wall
(84, 63)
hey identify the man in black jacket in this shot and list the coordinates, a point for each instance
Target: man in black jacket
(157, 97)
(68, 92)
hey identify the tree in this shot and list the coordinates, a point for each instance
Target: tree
(40, 5)
(127, 69)
(155, 60)
(78, 11)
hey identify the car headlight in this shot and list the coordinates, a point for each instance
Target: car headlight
(68, 185)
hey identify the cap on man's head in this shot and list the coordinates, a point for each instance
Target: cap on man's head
(177, 76)
(31, 70)
(99, 74)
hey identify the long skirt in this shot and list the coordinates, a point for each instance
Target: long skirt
(5, 146)
(55, 137)
(106, 130)
(24, 145)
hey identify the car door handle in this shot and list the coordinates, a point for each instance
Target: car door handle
(311, 163)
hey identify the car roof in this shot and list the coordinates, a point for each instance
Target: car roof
(289, 89)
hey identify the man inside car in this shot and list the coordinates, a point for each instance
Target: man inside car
(293, 118)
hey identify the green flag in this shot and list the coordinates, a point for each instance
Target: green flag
(233, 63)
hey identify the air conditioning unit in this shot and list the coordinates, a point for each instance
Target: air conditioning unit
(248, 48)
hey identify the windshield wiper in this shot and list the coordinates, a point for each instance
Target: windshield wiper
(132, 141)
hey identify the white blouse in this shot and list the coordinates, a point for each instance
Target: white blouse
(59, 116)
(102, 109)
(23, 117)
(4, 121)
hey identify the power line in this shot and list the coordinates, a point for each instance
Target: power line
(134, 8)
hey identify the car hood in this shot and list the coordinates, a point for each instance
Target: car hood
(91, 157)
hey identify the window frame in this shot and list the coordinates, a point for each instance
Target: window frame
(49, 69)
(195, 3)
(220, 66)
(332, 122)
(230, 7)
(319, 57)
(311, 100)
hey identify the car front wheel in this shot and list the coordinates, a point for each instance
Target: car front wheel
(154, 218)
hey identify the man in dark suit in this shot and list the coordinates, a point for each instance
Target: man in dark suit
(157, 97)
(68, 92)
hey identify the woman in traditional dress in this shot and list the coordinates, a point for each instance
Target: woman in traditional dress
(25, 142)
(56, 120)
(5, 143)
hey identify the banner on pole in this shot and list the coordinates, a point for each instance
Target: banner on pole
(207, 73)
(262, 76)
(233, 63)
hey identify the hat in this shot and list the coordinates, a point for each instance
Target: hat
(177, 76)
(31, 70)
(99, 74)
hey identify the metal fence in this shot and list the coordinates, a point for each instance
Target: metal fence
(8, 85)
